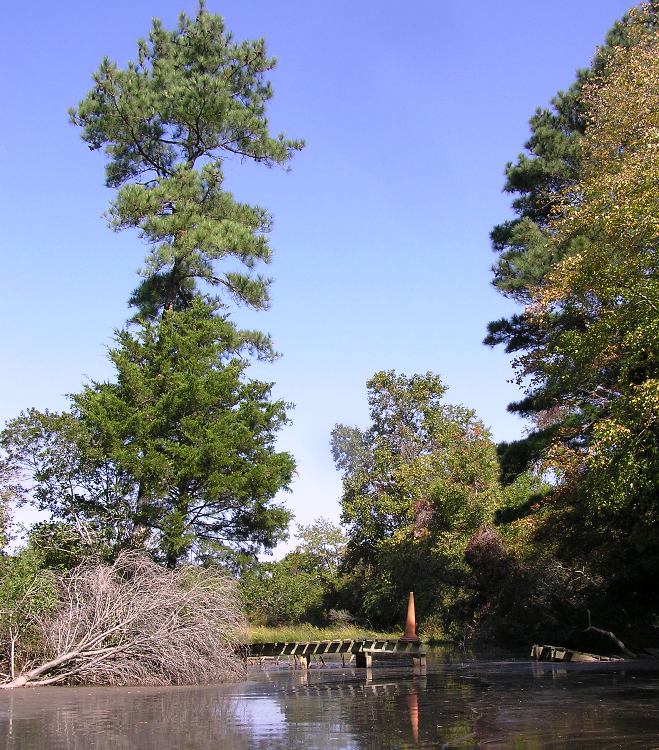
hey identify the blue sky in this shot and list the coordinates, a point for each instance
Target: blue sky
(410, 112)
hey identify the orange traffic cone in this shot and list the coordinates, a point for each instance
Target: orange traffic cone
(410, 624)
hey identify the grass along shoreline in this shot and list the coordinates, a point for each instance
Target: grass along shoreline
(305, 632)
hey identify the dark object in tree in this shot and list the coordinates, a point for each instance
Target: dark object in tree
(490, 563)
(485, 549)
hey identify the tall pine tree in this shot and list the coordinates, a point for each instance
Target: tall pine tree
(178, 453)
(192, 98)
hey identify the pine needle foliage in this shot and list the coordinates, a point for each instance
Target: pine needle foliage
(166, 122)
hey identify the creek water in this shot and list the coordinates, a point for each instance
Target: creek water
(459, 703)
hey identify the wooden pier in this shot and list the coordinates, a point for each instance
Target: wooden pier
(363, 650)
(559, 653)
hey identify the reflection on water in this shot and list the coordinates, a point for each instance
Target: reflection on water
(457, 704)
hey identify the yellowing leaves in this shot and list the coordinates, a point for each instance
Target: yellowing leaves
(602, 361)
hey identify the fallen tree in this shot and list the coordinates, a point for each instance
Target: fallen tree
(611, 637)
(135, 622)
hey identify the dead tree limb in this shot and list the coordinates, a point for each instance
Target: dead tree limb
(611, 636)
(135, 622)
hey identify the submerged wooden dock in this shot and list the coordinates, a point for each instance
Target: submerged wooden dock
(558, 653)
(363, 649)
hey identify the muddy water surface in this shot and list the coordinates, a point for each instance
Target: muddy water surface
(459, 703)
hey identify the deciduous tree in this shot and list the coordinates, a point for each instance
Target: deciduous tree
(607, 372)
(416, 484)
(601, 375)
(540, 179)
(28, 592)
(323, 543)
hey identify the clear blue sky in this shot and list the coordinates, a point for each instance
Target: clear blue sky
(410, 112)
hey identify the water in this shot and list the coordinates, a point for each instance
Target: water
(458, 704)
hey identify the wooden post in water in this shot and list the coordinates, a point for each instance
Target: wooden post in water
(419, 663)
(363, 660)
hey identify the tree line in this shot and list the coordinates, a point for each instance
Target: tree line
(173, 465)
(523, 540)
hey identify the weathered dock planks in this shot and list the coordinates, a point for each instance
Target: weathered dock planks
(363, 649)
(558, 653)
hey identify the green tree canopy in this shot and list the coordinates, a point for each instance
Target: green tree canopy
(540, 179)
(416, 484)
(178, 450)
(587, 343)
(607, 372)
(422, 467)
(28, 591)
(166, 122)
(323, 544)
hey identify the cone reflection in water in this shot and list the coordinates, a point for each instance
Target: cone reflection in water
(413, 709)
(410, 623)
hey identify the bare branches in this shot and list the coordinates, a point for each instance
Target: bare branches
(134, 622)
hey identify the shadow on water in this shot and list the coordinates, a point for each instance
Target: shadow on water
(461, 702)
